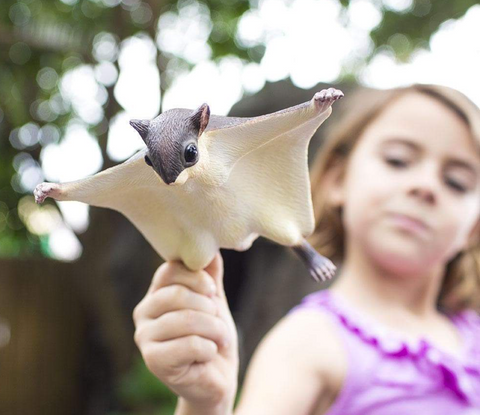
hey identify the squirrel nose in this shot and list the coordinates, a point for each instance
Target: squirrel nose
(169, 177)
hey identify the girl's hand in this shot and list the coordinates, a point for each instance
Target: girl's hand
(188, 338)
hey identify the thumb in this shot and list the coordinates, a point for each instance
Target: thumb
(215, 269)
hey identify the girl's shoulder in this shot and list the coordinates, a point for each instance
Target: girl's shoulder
(300, 356)
(358, 338)
(312, 336)
(312, 332)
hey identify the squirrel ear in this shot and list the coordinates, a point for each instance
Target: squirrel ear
(200, 118)
(141, 126)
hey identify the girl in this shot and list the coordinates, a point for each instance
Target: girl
(397, 201)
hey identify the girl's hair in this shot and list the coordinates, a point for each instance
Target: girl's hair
(461, 285)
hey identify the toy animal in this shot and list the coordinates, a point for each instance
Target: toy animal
(205, 182)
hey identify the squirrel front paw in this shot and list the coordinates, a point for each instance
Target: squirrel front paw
(44, 190)
(326, 97)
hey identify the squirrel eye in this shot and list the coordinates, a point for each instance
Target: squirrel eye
(191, 153)
(148, 161)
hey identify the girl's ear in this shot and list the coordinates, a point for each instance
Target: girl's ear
(333, 182)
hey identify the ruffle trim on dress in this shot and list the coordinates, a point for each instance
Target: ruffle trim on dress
(462, 376)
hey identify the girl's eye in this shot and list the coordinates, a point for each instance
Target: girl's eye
(453, 184)
(456, 185)
(396, 162)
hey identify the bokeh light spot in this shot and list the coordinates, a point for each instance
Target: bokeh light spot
(19, 14)
(20, 53)
(47, 78)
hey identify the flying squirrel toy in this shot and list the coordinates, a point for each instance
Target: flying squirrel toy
(206, 182)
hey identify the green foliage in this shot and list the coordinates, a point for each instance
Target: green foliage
(407, 31)
(144, 394)
(225, 20)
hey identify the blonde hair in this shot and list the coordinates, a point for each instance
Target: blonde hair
(461, 285)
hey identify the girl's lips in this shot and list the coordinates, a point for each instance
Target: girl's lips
(409, 223)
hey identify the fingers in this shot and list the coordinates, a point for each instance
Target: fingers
(215, 270)
(174, 272)
(174, 287)
(182, 303)
(167, 357)
(171, 298)
(183, 323)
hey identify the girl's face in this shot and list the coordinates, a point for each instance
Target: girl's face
(411, 192)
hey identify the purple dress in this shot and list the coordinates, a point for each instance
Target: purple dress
(390, 375)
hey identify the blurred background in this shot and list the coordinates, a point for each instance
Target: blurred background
(73, 72)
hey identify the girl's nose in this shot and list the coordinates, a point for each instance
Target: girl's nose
(426, 183)
(424, 193)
